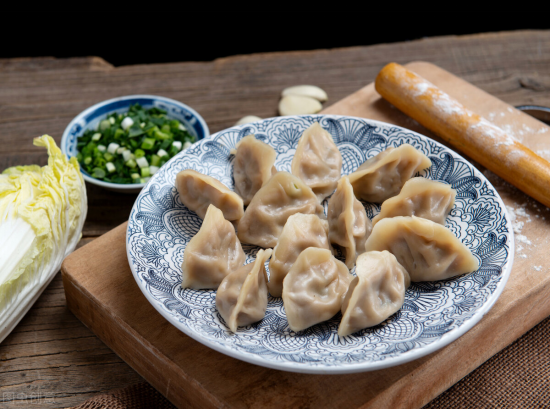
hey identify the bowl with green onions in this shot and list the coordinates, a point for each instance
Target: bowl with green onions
(121, 143)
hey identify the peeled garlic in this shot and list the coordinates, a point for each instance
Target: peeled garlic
(248, 119)
(295, 105)
(306, 91)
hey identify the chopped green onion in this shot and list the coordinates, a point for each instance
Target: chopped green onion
(149, 133)
(162, 135)
(155, 160)
(113, 147)
(118, 133)
(98, 173)
(127, 123)
(148, 143)
(103, 125)
(187, 144)
(127, 155)
(145, 172)
(142, 162)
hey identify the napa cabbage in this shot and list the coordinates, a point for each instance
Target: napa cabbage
(42, 210)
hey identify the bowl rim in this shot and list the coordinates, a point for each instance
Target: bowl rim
(94, 107)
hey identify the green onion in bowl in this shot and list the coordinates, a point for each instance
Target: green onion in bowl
(128, 148)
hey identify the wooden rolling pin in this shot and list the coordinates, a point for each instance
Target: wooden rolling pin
(465, 130)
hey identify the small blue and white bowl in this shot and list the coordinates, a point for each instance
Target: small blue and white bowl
(91, 117)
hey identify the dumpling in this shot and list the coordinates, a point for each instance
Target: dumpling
(212, 253)
(428, 251)
(198, 191)
(313, 290)
(317, 161)
(252, 167)
(420, 197)
(300, 232)
(349, 226)
(242, 297)
(382, 176)
(375, 294)
(282, 196)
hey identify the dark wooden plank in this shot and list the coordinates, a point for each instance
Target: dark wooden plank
(42, 95)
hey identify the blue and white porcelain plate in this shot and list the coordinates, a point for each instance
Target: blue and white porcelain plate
(434, 313)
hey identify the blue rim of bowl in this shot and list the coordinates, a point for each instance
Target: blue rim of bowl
(108, 106)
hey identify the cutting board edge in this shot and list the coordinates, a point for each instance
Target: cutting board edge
(76, 294)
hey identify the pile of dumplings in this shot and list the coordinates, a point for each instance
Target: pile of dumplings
(407, 241)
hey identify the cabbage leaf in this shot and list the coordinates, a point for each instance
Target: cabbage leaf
(42, 211)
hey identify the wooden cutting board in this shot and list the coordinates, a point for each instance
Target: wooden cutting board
(102, 293)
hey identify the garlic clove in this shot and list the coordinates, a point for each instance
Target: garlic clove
(306, 91)
(295, 105)
(248, 119)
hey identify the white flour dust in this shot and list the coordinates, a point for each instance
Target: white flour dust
(518, 225)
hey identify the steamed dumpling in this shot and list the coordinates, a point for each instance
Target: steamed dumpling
(212, 253)
(253, 166)
(242, 297)
(349, 226)
(300, 232)
(382, 176)
(282, 196)
(313, 290)
(198, 191)
(375, 294)
(428, 251)
(317, 161)
(420, 197)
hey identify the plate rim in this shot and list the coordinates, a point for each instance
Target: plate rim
(364, 366)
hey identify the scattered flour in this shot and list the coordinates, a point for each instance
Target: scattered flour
(515, 214)
(520, 248)
(523, 239)
(522, 212)
(538, 268)
(517, 225)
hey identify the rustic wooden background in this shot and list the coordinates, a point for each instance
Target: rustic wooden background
(51, 359)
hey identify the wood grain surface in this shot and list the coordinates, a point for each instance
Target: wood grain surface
(51, 359)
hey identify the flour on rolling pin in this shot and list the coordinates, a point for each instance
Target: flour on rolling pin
(447, 105)
(465, 130)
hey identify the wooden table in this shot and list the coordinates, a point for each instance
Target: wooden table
(51, 359)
